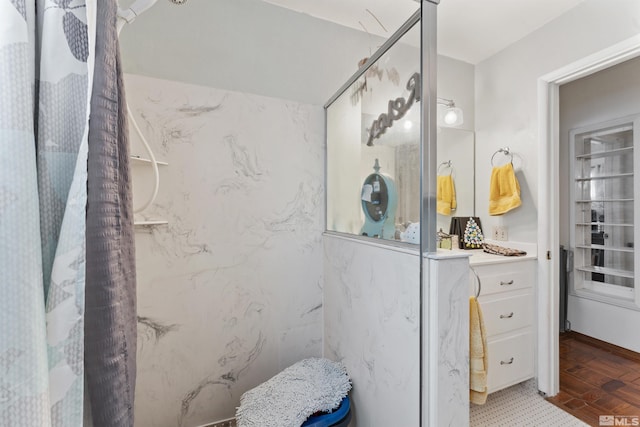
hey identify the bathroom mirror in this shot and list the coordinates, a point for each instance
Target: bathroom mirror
(456, 157)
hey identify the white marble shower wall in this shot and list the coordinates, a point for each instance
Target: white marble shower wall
(230, 291)
(372, 325)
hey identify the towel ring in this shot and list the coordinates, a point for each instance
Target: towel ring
(479, 282)
(446, 164)
(506, 151)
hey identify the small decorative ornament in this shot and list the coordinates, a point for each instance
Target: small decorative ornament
(411, 234)
(473, 237)
(455, 241)
(444, 240)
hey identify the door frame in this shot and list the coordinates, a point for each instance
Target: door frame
(548, 184)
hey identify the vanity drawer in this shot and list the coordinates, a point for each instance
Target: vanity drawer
(509, 276)
(507, 314)
(510, 361)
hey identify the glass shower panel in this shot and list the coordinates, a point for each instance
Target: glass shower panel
(373, 146)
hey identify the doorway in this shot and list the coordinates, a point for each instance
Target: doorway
(550, 207)
(599, 157)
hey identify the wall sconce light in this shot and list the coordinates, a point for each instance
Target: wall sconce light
(449, 115)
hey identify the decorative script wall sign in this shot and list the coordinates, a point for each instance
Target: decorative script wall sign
(397, 110)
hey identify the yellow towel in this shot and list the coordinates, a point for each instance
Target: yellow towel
(446, 195)
(478, 358)
(504, 191)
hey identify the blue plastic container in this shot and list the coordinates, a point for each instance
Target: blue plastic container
(338, 418)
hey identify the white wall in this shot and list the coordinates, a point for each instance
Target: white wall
(506, 98)
(230, 291)
(247, 46)
(344, 150)
(607, 95)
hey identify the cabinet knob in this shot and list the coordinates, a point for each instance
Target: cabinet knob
(506, 316)
(510, 282)
(502, 362)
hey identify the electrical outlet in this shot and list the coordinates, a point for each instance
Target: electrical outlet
(503, 233)
(499, 232)
(494, 232)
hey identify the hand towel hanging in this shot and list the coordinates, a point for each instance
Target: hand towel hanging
(504, 191)
(478, 358)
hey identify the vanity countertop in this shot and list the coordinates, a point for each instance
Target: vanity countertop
(479, 257)
(476, 256)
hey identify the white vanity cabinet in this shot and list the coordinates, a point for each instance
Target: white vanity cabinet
(507, 301)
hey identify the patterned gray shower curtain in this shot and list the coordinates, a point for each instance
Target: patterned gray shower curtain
(54, 56)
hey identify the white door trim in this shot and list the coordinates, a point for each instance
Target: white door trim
(548, 203)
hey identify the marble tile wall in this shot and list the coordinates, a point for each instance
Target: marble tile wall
(371, 316)
(230, 291)
(446, 346)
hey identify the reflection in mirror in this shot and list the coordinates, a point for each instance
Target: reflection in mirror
(373, 180)
(373, 151)
(456, 157)
(456, 153)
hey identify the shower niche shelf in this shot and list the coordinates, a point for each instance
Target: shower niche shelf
(150, 223)
(147, 224)
(145, 160)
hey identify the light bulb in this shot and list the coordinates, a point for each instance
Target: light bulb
(451, 117)
(408, 124)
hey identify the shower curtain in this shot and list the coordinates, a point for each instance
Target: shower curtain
(47, 56)
(111, 321)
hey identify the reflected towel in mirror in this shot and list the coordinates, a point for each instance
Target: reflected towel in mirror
(446, 195)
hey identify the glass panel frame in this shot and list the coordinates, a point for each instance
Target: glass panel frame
(427, 16)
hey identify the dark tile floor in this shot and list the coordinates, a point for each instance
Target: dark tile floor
(597, 378)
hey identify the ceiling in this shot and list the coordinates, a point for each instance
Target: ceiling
(469, 30)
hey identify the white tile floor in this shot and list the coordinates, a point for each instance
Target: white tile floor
(520, 405)
(516, 406)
